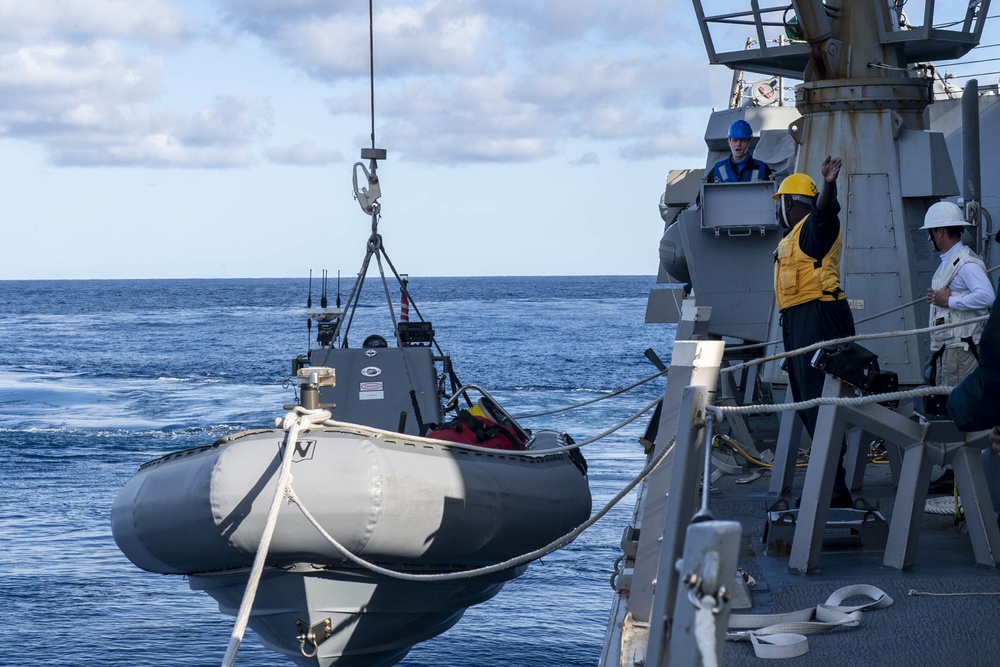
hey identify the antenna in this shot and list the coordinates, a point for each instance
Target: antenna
(309, 305)
(322, 299)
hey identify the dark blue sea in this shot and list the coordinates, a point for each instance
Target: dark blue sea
(97, 377)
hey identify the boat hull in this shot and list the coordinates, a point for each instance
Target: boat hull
(374, 621)
(410, 504)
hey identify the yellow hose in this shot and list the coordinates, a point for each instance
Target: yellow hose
(799, 463)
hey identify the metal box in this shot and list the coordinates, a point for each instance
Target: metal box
(738, 206)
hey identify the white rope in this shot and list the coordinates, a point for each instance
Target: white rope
(913, 592)
(704, 632)
(293, 422)
(498, 567)
(832, 400)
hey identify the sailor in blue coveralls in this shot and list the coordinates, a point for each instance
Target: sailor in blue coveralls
(739, 167)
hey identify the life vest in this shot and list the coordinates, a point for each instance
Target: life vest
(961, 335)
(472, 429)
(748, 171)
(799, 278)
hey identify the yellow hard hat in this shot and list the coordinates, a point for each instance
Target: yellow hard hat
(797, 184)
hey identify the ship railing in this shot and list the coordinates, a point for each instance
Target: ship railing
(763, 36)
(947, 30)
(773, 41)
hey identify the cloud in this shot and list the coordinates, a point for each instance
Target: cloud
(476, 81)
(303, 153)
(87, 20)
(151, 150)
(474, 119)
(48, 79)
(87, 106)
(330, 40)
(590, 157)
(681, 147)
(70, 83)
(562, 25)
(457, 81)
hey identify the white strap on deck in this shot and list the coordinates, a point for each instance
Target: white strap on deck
(784, 635)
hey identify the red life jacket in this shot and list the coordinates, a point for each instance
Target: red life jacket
(471, 429)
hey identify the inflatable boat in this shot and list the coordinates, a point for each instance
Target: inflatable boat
(407, 503)
(410, 497)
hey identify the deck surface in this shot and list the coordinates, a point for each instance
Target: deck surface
(959, 628)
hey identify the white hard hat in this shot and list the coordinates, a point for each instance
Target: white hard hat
(944, 214)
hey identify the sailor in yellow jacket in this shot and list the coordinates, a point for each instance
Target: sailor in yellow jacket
(811, 304)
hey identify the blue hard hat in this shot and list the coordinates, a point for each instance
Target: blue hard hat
(740, 129)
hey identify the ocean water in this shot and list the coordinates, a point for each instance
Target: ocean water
(97, 377)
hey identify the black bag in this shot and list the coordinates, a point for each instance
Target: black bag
(850, 362)
(934, 406)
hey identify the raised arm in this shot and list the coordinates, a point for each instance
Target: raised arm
(831, 170)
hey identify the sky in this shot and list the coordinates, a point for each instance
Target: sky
(219, 138)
